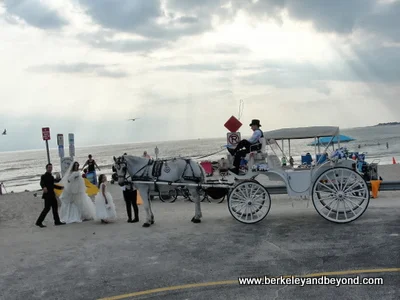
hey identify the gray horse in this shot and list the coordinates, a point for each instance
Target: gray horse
(177, 170)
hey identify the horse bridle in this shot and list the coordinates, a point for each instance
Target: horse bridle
(124, 169)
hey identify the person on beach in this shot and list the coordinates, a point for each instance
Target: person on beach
(146, 155)
(105, 208)
(130, 197)
(76, 206)
(49, 196)
(92, 165)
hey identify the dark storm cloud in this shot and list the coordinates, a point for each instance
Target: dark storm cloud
(191, 17)
(35, 13)
(338, 16)
(141, 17)
(123, 15)
(384, 22)
(98, 69)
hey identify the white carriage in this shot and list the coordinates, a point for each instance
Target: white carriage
(338, 191)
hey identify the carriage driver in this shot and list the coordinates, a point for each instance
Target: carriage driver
(252, 144)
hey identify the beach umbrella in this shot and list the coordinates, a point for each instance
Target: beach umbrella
(325, 140)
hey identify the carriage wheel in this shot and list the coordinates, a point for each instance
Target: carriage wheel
(186, 194)
(216, 199)
(172, 195)
(249, 202)
(340, 195)
(212, 200)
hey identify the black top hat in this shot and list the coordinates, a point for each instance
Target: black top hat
(255, 122)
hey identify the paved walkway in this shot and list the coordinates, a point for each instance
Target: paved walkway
(94, 261)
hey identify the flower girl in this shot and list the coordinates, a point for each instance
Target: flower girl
(105, 208)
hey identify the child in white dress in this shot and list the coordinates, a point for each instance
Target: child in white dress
(105, 208)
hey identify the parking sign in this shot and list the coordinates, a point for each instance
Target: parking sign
(46, 133)
(233, 138)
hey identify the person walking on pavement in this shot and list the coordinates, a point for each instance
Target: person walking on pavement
(49, 196)
(130, 197)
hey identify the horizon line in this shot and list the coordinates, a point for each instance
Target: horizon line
(161, 141)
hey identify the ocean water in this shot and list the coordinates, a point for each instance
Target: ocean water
(21, 170)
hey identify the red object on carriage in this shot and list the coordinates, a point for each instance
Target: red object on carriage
(208, 167)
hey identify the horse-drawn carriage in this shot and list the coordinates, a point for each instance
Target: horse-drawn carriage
(339, 193)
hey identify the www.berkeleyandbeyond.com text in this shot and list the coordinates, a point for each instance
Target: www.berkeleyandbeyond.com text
(302, 281)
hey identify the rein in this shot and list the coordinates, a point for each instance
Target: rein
(198, 157)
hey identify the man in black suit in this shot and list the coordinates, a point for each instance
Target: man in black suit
(130, 197)
(50, 200)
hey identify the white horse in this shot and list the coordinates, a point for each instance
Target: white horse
(177, 170)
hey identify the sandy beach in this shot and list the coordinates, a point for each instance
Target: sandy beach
(79, 258)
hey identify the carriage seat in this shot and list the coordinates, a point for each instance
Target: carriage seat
(258, 155)
(263, 143)
(274, 162)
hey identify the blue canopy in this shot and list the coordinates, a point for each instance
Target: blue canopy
(326, 140)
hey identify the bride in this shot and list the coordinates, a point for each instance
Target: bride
(76, 206)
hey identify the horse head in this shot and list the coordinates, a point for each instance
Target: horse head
(120, 170)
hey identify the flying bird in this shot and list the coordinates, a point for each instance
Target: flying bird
(133, 119)
(5, 132)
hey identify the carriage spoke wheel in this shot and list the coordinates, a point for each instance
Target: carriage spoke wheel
(340, 195)
(172, 195)
(249, 202)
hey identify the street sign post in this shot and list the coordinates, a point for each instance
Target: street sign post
(60, 143)
(61, 152)
(46, 138)
(60, 139)
(71, 140)
(233, 138)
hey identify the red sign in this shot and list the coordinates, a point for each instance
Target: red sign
(233, 124)
(46, 133)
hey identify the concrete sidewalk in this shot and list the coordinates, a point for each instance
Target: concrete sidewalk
(92, 260)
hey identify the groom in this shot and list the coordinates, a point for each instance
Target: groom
(50, 200)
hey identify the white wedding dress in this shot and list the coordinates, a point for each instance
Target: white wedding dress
(76, 205)
(103, 210)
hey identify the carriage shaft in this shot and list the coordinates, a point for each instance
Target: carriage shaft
(201, 185)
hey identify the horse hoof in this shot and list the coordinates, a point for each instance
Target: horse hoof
(196, 220)
(152, 222)
(146, 225)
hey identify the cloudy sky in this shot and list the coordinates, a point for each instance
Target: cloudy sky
(182, 66)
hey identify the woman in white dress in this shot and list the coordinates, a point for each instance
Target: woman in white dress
(76, 206)
(105, 208)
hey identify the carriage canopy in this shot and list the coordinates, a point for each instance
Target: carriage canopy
(302, 132)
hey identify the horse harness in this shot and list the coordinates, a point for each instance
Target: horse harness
(156, 172)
